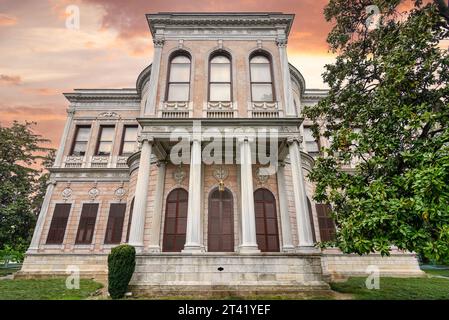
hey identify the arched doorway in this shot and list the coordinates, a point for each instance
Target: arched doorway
(220, 222)
(266, 221)
(175, 221)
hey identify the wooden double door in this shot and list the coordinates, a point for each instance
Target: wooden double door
(220, 222)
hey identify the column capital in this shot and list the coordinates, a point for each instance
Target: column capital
(158, 42)
(161, 163)
(71, 111)
(146, 137)
(281, 42)
(292, 139)
(51, 182)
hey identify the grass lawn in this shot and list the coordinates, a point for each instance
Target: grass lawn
(438, 272)
(396, 289)
(45, 289)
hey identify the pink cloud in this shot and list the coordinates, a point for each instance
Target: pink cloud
(10, 80)
(7, 20)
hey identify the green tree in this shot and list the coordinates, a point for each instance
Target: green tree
(22, 184)
(388, 109)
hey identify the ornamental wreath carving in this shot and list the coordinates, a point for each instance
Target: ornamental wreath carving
(179, 175)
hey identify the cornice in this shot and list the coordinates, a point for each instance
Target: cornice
(274, 20)
(102, 95)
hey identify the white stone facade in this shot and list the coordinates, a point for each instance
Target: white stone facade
(266, 231)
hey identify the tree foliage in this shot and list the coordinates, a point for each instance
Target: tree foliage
(388, 111)
(121, 265)
(22, 185)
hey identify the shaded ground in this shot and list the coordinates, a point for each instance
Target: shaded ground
(46, 289)
(433, 287)
(430, 288)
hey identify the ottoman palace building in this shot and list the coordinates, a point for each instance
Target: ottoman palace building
(133, 167)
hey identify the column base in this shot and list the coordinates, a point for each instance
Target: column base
(137, 247)
(193, 248)
(248, 249)
(289, 248)
(32, 250)
(307, 249)
(154, 249)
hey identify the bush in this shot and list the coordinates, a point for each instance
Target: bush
(121, 265)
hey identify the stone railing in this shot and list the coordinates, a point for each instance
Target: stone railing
(265, 110)
(74, 162)
(175, 109)
(99, 161)
(220, 109)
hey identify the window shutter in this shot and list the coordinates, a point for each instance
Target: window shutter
(325, 221)
(115, 223)
(131, 208)
(86, 225)
(59, 223)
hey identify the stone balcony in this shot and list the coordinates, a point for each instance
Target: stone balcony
(95, 162)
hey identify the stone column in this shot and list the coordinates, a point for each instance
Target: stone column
(193, 232)
(155, 232)
(34, 246)
(141, 195)
(287, 240)
(150, 104)
(64, 138)
(305, 236)
(248, 218)
(289, 106)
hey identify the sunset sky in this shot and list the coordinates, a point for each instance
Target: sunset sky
(40, 58)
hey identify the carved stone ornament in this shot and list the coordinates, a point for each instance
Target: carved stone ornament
(220, 173)
(93, 193)
(179, 175)
(109, 114)
(120, 193)
(261, 178)
(66, 193)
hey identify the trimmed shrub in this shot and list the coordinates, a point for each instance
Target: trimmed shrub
(121, 265)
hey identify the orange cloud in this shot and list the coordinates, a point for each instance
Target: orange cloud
(10, 80)
(7, 20)
(43, 91)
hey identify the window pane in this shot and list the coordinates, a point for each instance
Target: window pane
(219, 59)
(260, 73)
(178, 92)
(311, 144)
(262, 92)
(129, 147)
(104, 148)
(83, 134)
(260, 59)
(79, 149)
(220, 92)
(220, 72)
(180, 72)
(180, 59)
(130, 134)
(107, 133)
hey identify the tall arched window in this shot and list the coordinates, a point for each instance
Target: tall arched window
(266, 221)
(220, 78)
(261, 79)
(178, 88)
(175, 221)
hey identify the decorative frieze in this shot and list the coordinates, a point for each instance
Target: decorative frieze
(179, 175)
(67, 192)
(93, 192)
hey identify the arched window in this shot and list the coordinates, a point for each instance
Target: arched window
(178, 88)
(130, 218)
(220, 222)
(175, 221)
(312, 225)
(220, 78)
(266, 221)
(261, 79)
